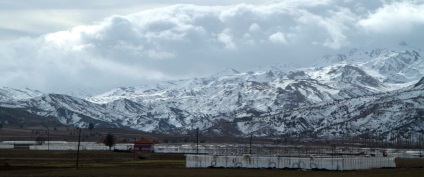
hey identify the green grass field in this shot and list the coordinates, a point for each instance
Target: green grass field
(105, 163)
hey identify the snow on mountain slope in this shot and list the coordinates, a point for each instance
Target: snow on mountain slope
(398, 112)
(395, 69)
(348, 94)
(17, 94)
(10, 96)
(233, 95)
(398, 67)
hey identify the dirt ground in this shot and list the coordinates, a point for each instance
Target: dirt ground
(106, 163)
(164, 171)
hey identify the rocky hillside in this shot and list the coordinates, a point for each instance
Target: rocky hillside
(377, 91)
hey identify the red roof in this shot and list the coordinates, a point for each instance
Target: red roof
(144, 141)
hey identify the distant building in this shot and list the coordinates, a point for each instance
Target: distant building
(144, 145)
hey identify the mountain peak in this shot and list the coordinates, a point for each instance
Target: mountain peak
(226, 72)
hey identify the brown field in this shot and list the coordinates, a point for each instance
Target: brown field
(105, 163)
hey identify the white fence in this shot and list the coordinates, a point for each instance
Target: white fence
(83, 146)
(406, 153)
(185, 148)
(7, 146)
(325, 163)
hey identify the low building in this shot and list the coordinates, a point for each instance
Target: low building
(144, 145)
(278, 162)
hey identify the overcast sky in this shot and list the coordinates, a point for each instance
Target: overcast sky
(59, 45)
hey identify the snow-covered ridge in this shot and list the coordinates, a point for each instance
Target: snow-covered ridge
(7, 93)
(375, 70)
(346, 92)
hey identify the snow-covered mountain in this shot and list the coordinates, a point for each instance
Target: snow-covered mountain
(378, 90)
(10, 94)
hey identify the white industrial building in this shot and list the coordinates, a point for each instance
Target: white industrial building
(321, 163)
(277, 156)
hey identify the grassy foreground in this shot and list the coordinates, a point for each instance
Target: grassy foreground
(104, 163)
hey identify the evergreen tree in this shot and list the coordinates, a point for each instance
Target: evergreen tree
(40, 140)
(109, 140)
(90, 126)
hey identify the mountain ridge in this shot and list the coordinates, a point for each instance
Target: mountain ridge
(239, 103)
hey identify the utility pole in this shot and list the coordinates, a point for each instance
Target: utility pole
(48, 139)
(134, 147)
(78, 149)
(250, 143)
(197, 141)
(421, 145)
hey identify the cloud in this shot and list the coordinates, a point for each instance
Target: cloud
(226, 38)
(254, 27)
(394, 21)
(278, 37)
(183, 41)
(395, 18)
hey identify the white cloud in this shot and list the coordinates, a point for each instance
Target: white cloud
(226, 38)
(183, 41)
(397, 17)
(278, 37)
(254, 27)
(160, 55)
